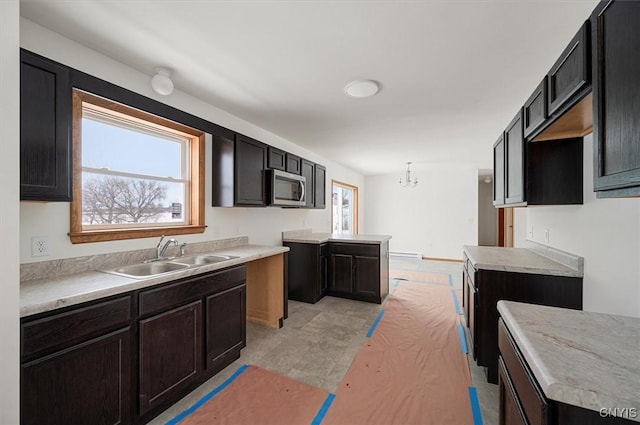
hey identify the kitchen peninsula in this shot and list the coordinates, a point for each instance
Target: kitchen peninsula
(340, 265)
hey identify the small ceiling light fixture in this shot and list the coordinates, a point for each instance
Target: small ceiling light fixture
(407, 179)
(161, 82)
(362, 88)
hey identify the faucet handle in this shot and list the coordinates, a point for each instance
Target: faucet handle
(182, 248)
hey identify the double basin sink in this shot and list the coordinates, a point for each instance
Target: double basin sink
(154, 268)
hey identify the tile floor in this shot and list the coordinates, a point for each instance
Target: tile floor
(319, 341)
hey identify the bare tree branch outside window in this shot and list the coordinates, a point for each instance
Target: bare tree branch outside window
(117, 200)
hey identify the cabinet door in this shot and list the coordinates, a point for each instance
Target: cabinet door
(509, 409)
(276, 158)
(570, 74)
(306, 169)
(45, 130)
(514, 161)
(250, 162)
(320, 187)
(170, 355)
(225, 326)
(498, 171)
(471, 315)
(616, 96)
(293, 163)
(341, 273)
(367, 276)
(535, 109)
(324, 271)
(89, 383)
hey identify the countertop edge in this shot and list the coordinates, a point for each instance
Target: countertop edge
(310, 239)
(562, 270)
(123, 284)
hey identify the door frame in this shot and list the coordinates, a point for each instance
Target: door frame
(355, 202)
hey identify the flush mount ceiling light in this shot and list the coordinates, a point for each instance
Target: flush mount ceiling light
(161, 82)
(362, 88)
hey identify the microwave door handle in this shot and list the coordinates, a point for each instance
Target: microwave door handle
(302, 185)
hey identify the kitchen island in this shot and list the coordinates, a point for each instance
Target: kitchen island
(346, 266)
(563, 366)
(540, 275)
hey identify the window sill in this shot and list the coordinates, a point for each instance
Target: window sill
(122, 234)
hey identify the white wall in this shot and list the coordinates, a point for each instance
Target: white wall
(435, 219)
(487, 215)
(9, 196)
(262, 225)
(606, 232)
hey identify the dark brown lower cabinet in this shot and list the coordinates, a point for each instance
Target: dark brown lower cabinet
(225, 326)
(359, 271)
(88, 383)
(522, 401)
(124, 359)
(306, 271)
(484, 288)
(170, 353)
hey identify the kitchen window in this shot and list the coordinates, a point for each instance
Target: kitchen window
(344, 206)
(135, 174)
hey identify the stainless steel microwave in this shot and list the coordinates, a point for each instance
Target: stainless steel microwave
(286, 189)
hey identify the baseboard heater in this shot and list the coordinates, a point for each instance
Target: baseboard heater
(405, 255)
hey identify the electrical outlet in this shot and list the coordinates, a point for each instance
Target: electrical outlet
(39, 246)
(531, 232)
(546, 235)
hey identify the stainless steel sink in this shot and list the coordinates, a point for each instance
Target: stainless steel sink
(204, 259)
(149, 269)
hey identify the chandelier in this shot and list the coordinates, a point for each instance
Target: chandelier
(408, 182)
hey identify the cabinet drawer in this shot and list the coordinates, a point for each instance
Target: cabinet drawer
(509, 407)
(370, 250)
(165, 297)
(529, 395)
(65, 329)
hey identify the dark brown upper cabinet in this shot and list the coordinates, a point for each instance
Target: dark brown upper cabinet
(293, 163)
(250, 163)
(535, 109)
(498, 171)
(571, 72)
(45, 129)
(276, 158)
(515, 161)
(616, 98)
(307, 170)
(320, 187)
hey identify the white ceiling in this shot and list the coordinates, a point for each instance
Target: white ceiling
(453, 73)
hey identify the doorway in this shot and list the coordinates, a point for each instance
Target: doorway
(505, 227)
(344, 207)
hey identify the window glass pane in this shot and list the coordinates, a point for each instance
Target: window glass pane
(125, 150)
(119, 200)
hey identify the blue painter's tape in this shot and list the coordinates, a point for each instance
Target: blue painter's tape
(475, 406)
(450, 279)
(463, 339)
(375, 324)
(208, 396)
(323, 409)
(455, 301)
(396, 283)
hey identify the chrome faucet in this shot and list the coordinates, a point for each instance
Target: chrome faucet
(161, 249)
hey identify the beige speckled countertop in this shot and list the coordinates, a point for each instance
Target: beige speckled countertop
(585, 359)
(45, 294)
(522, 260)
(318, 238)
